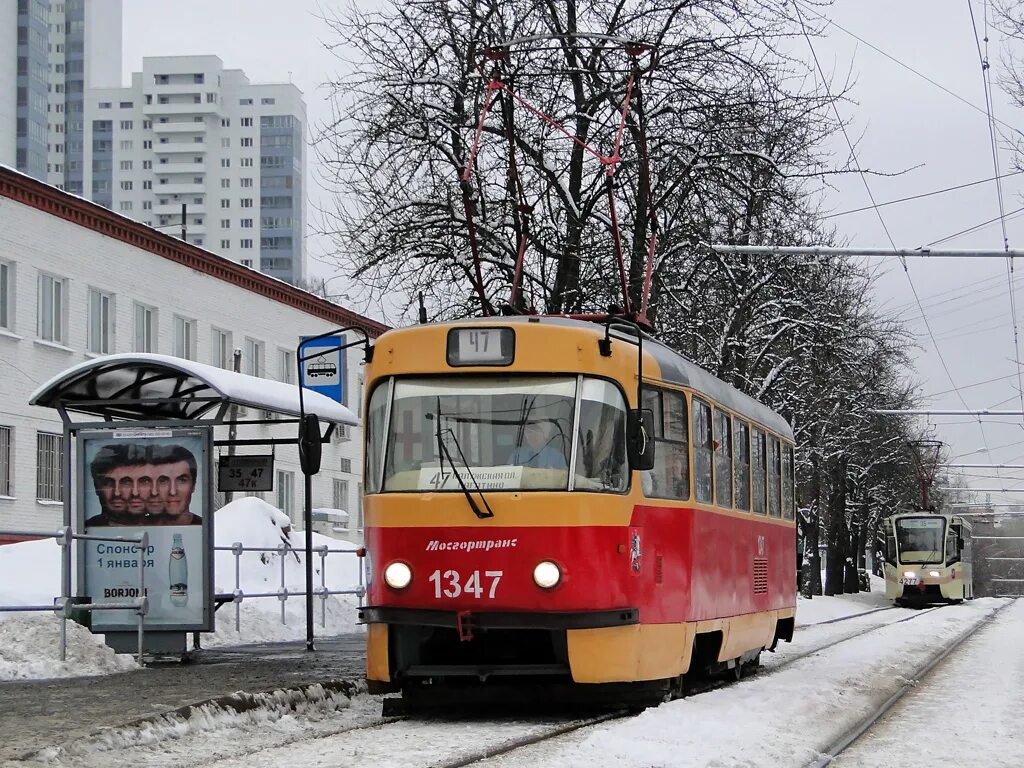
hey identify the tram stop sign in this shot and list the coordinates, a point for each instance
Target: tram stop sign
(324, 372)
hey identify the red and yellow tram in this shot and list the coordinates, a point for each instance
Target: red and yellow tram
(550, 499)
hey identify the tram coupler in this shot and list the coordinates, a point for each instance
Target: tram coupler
(464, 626)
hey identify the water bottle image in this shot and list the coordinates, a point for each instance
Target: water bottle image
(178, 572)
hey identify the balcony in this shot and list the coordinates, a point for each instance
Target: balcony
(173, 207)
(179, 127)
(179, 188)
(182, 108)
(178, 147)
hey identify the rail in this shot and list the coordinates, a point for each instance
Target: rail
(283, 593)
(64, 605)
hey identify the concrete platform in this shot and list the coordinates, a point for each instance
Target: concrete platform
(43, 713)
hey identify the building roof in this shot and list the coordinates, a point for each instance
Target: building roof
(148, 387)
(29, 191)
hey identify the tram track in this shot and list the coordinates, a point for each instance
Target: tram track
(693, 689)
(854, 734)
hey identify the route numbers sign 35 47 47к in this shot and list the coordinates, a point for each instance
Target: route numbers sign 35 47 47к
(245, 473)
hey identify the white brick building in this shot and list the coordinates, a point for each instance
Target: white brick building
(77, 280)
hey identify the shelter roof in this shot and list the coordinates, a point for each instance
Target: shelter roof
(149, 387)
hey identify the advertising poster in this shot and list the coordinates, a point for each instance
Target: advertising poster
(155, 481)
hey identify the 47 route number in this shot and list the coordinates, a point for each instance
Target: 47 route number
(451, 584)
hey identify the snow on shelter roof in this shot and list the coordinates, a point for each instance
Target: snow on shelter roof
(144, 387)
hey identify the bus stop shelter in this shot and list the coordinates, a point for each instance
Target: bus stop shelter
(159, 391)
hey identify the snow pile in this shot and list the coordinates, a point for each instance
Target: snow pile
(30, 649)
(30, 575)
(257, 524)
(256, 711)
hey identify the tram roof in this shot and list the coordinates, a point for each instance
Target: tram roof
(144, 386)
(675, 368)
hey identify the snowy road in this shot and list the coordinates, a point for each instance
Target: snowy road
(781, 717)
(967, 711)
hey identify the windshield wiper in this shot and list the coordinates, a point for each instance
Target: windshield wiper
(443, 453)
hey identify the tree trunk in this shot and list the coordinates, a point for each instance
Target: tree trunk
(837, 536)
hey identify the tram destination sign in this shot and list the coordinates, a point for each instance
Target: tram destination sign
(245, 473)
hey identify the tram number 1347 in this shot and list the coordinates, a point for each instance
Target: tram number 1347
(452, 583)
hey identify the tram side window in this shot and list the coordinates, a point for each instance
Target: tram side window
(787, 482)
(703, 448)
(670, 478)
(375, 417)
(952, 550)
(774, 477)
(742, 465)
(601, 454)
(759, 472)
(723, 459)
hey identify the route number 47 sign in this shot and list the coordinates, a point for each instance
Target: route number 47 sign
(245, 473)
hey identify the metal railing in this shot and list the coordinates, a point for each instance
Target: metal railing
(64, 605)
(283, 593)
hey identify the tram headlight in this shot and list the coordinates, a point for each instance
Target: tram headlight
(546, 574)
(909, 575)
(398, 575)
(934, 574)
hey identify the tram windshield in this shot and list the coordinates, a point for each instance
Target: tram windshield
(497, 433)
(920, 539)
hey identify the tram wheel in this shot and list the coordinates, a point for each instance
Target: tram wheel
(737, 671)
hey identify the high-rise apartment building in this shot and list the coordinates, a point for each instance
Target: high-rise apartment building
(189, 135)
(50, 53)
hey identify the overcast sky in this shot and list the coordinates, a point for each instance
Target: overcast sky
(898, 120)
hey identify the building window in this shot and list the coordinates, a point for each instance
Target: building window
(246, 243)
(6, 295)
(225, 183)
(6, 463)
(104, 105)
(225, 203)
(225, 162)
(346, 466)
(49, 467)
(267, 100)
(246, 263)
(225, 223)
(341, 494)
(245, 202)
(247, 122)
(246, 162)
(147, 185)
(127, 105)
(286, 359)
(145, 328)
(126, 186)
(126, 125)
(147, 125)
(211, 98)
(147, 165)
(126, 165)
(255, 357)
(184, 338)
(50, 318)
(225, 122)
(225, 143)
(245, 102)
(247, 182)
(225, 244)
(147, 144)
(198, 78)
(286, 492)
(147, 205)
(246, 223)
(126, 144)
(100, 322)
(220, 348)
(246, 142)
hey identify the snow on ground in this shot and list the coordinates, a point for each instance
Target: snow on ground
(967, 712)
(30, 575)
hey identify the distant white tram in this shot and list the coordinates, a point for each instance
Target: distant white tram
(928, 558)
